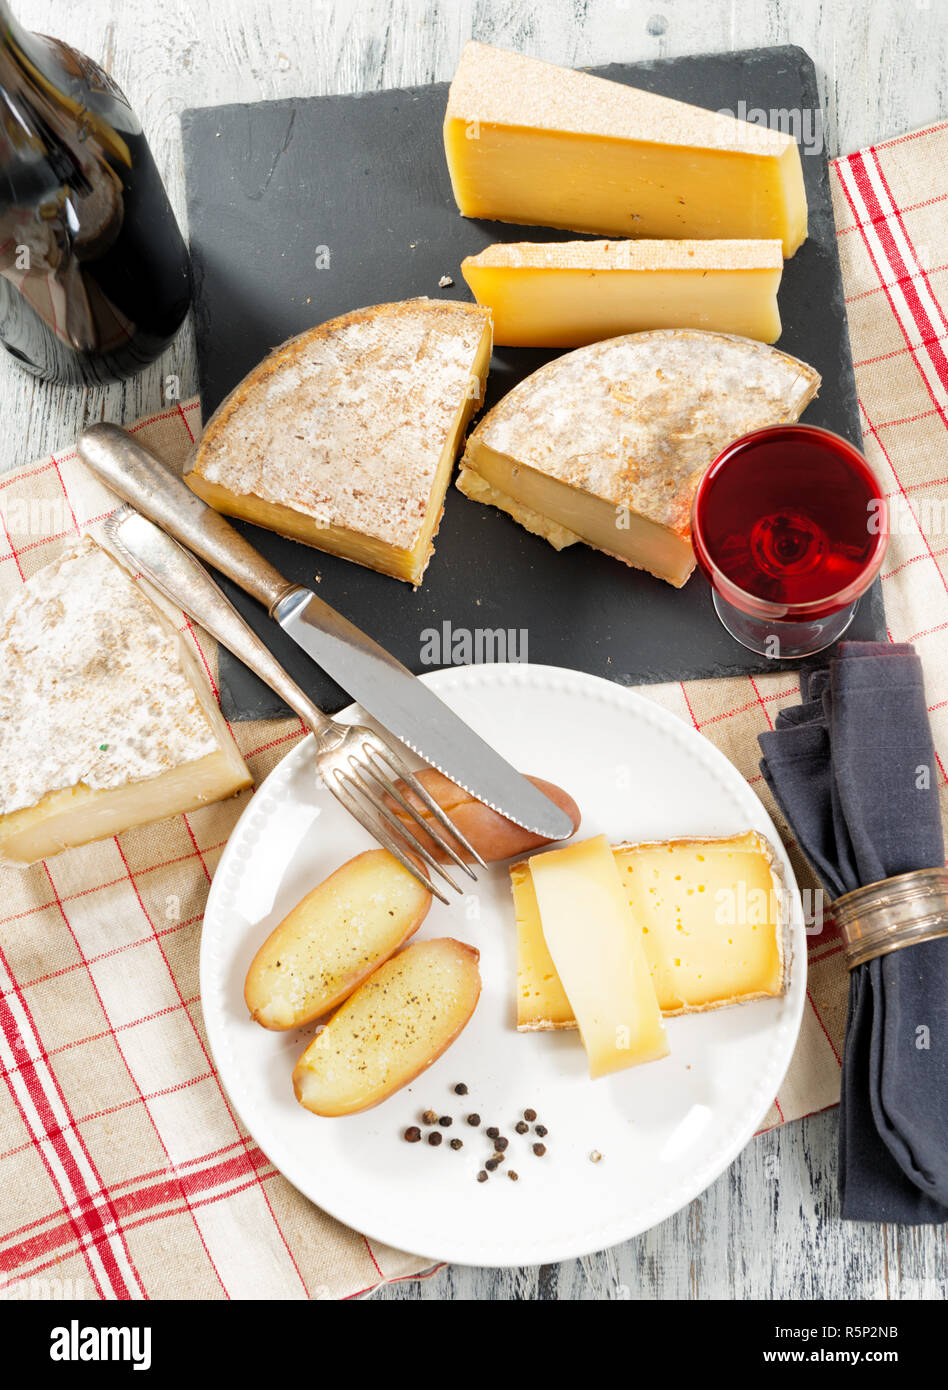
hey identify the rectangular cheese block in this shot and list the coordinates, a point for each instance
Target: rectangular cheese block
(712, 916)
(345, 437)
(598, 955)
(105, 721)
(567, 294)
(530, 142)
(713, 920)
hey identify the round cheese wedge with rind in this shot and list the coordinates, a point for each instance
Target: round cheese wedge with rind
(345, 436)
(607, 444)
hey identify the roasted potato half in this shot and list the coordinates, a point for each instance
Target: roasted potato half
(492, 835)
(395, 1025)
(333, 939)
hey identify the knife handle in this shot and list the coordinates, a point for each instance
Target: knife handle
(175, 573)
(138, 477)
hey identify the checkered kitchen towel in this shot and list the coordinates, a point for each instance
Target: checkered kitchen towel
(123, 1168)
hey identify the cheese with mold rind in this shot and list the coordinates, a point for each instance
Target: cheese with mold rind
(345, 437)
(609, 442)
(105, 721)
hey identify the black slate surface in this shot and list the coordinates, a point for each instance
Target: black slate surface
(361, 180)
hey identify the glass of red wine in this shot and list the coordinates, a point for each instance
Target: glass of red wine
(790, 527)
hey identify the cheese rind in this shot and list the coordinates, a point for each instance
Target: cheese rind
(598, 955)
(568, 294)
(345, 437)
(713, 914)
(105, 722)
(533, 143)
(609, 442)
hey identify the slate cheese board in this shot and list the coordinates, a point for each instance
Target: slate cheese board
(303, 209)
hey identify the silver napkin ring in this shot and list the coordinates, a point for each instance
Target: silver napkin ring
(896, 912)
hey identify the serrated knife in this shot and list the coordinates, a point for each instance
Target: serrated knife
(372, 676)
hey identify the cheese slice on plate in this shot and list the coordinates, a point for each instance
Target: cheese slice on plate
(713, 917)
(105, 721)
(569, 293)
(712, 914)
(530, 142)
(345, 437)
(608, 443)
(598, 955)
(541, 999)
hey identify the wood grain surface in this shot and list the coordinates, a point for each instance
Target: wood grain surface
(768, 1227)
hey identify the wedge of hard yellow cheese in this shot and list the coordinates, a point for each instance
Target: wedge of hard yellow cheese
(608, 443)
(345, 436)
(710, 914)
(598, 955)
(530, 142)
(567, 294)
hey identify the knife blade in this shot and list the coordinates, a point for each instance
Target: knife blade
(386, 689)
(399, 701)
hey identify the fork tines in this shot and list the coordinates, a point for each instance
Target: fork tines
(362, 791)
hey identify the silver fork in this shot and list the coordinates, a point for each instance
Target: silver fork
(357, 766)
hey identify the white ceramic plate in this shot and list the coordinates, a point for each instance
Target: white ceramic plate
(665, 1130)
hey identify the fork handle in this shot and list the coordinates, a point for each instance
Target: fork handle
(138, 477)
(185, 581)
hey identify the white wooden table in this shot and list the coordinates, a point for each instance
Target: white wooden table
(761, 1231)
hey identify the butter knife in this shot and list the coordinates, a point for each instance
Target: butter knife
(371, 675)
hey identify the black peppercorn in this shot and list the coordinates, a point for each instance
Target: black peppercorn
(542, 1131)
(530, 1115)
(521, 1126)
(539, 1150)
(482, 1176)
(460, 1089)
(434, 1138)
(473, 1119)
(413, 1134)
(457, 1143)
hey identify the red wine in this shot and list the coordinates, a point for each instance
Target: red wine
(791, 515)
(94, 273)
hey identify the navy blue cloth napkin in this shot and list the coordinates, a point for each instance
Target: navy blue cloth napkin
(853, 769)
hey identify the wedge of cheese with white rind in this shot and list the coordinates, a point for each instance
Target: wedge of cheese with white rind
(105, 721)
(567, 294)
(345, 437)
(607, 444)
(530, 142)
(598, 955)
(714, 918)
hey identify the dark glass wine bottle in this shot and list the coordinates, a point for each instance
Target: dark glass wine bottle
(94, 272)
